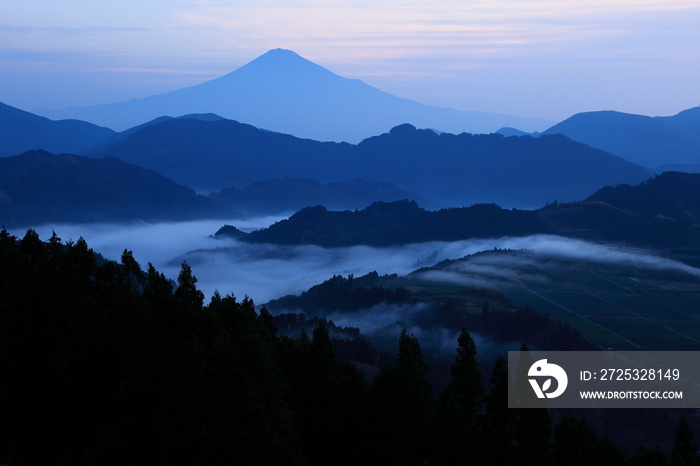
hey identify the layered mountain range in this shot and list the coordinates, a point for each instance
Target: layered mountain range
(21, 131)
(38, 187)
(663, 211)
(446, 168)
(253, 170)
(207, 152)
(283, 92)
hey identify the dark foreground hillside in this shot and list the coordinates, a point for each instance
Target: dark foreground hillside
(103, 363)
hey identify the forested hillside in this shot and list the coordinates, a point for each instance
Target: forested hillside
(660, 212)
(103, 363)
(390, 223)
(38, 187)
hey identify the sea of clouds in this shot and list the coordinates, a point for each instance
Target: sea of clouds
(267, 271)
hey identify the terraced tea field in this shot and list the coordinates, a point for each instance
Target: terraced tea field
(620, 305)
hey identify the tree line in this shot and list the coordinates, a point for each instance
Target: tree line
(102, 362)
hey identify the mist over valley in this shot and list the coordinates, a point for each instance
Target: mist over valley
(266, 272)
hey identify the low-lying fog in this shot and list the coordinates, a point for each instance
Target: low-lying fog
(264, 271)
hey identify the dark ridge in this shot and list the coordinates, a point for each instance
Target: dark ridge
(39, 187)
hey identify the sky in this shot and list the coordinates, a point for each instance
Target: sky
(544, 58)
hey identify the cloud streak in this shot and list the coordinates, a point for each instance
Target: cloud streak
(567, 248)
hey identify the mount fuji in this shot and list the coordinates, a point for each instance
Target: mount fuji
(283, 92)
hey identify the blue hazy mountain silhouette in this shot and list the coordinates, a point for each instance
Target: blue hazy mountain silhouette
(448, 169)
(40, 187)
(648, 141)
(292, 194)
(21, 131)
(509, 132)
(116, 137)
(284, 92)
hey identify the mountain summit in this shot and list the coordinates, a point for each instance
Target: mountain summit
(648, 141)
(283, 60)
(284, 92)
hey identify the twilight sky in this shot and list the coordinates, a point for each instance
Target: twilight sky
(547, 58)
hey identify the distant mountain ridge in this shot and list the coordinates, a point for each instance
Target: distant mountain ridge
(209, 153)
(284, 92)
(212, 155)
(21, 131)
(449, 169)
(115, 138)
(38, 187)
(648, 141)
(663, 211)
(292, 194)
